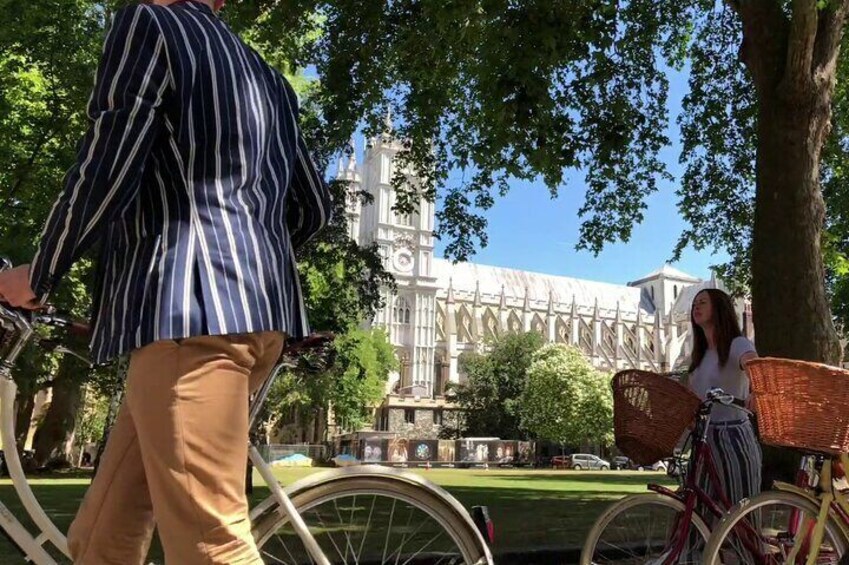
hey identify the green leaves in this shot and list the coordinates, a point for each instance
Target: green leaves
(718, 134)
(353, 380)
(566, 400)
(503, 90)
(494, 383)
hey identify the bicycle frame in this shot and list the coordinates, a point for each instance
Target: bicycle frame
(691, 495)
(831, 504)
(33, 546)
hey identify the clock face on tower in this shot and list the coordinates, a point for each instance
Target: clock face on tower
(402, 257)
(403, 260)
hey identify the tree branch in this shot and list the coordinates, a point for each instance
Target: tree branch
(734, 5)
(800, 45)
(764, 34)
(829, 36)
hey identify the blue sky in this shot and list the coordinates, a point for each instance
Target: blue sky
(530, 231)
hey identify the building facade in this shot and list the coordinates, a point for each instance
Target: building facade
(442, 309)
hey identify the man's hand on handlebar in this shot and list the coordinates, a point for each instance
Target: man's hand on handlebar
(15, 288)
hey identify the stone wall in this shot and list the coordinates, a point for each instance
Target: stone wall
(423, 428)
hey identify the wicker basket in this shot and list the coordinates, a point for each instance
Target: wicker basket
(650, 414)
(801, 404)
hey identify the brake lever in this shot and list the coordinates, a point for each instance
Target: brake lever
(83, 358)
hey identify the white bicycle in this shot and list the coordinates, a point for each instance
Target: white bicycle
(357, 515)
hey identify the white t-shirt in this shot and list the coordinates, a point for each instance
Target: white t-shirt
(730, 378)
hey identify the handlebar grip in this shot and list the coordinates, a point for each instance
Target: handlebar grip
(310, 342)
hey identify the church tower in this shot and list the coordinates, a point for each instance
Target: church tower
(353, 202)
(406, 246)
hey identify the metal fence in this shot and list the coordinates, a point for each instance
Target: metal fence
(276, 451)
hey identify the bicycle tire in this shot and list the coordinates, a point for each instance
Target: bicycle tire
(626, 504)
(460, 529)
(746, 507)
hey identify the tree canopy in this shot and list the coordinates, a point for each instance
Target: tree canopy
(48, 54)
(566, 400)
(566, 91)
(495, 379)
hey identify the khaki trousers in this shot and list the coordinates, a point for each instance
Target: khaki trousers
(176, 456)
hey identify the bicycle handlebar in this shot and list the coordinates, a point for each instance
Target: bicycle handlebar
(22, 318)
(717, 395)
(313, 341)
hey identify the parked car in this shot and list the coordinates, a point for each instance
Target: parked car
(580, 461)
(560, 462)
(621, 463)
(656, 466)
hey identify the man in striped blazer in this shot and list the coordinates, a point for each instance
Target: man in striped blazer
(195, 181)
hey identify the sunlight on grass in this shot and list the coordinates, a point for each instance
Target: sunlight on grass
(531, 509)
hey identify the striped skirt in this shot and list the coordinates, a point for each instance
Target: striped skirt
(738, 458)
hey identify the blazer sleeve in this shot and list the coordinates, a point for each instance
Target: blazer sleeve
(130, 84)
(309, 205)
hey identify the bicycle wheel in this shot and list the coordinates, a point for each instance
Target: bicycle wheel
(365, 520)
(773, 527)
(641, 529)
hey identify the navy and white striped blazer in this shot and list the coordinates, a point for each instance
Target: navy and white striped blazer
(195, 179)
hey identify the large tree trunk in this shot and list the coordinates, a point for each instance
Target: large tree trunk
(792, 316)
(791, 312)
(25, 405)
(115, 402)
(52, 436)
(794, 74)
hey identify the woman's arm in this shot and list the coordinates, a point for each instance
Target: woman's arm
(746, 357)
(744, 360)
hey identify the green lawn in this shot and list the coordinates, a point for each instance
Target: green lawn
(531, 509)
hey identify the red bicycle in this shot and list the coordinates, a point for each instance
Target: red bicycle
(666, 526)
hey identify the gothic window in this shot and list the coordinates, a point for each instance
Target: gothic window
(438, 417)
(586, 338)
(439, 374)
(539, 326)
(440, 324)
(410, 415)
(609, 336)
(652, 293)
(630, 345)
(490, 325)
(404, 219)
(465, 332)
(405, 366)
(675, 291)
(514, 324)
(402, 311)
(563, 331)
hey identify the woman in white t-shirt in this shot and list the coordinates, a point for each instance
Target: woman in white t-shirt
(720, 352)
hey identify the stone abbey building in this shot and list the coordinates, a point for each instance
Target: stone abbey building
(442, 310)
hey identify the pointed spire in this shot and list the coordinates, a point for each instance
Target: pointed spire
(340, 170)
(387, 122)
(639, 315)
(595, 309)
(352, 157)
(618, 312)
(477, 300)
(450, 298)
(551, 303)
(527, 305)
(574, 306)
(503, 303)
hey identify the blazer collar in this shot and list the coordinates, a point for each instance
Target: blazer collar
(195, 5)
